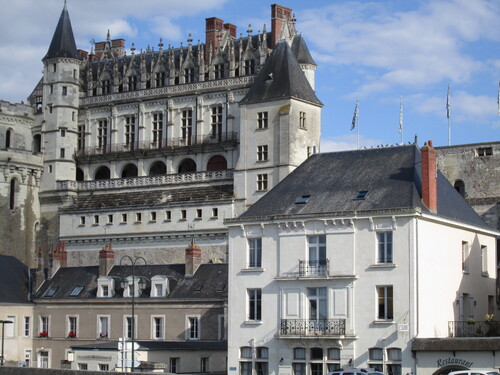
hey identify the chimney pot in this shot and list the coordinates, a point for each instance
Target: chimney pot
(106, 260)
(193, 259)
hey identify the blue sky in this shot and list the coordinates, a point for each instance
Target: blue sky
(376, 51)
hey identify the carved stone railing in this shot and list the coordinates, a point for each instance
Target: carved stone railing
(133, 182)
(168, 90)
(311, 327)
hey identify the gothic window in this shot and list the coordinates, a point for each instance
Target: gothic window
(102, 134)
(132, 83)
(130, 132)
(160, 79)
(13, 193)
(216, 122)
(186, 127)
(106, 87)
(157, 129)
(249, 67)
(217, 163)
(188, 75)
(219, 71)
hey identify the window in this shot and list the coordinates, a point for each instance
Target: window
(459, 186)
(132, 83)
(157, 129)
(105, 290)
(168, 215)
(262, 182)
(215, 213)
(129, 326)
(302, 120)
(375, 359)
(186, 125)
(262, 154)
(13, 193)
(54, 68)
(124, 218)
(385, 303)
(65, 90)
(316, 262)
(50, 108)
(51, 89)
(27, 326)
(188, 75)
(262, 120)
(219, 71)
(96, 219)
(333, 359)
(102, 134)
(361, 194)
(138, 217)
(152, 216)
(298, 364)
(193, 328)
(103, 367)
(63, 152)
(394, 361)
(81, 137)
(317, 303)
(63, 132)
(158, 290)
(44, 326)
(254, 304)
(82, 366)
(76, 291)
(255, 252)
(384, 254)
(183, 214)
(261, 364)
(73, 116)
(110, 219)
(199, 213)
(303, 199)
(50, 293)
(484, 261)
(130, 132)
(484, 151)
(222, 328)
(158, 324)
(216, 122)
(465, 256)
(204, 364)
(173, 365)
(10, 328)
(103, 327)
(72, 327)
(249, 66)
(160, 79)
(106, 87)
(316, 364)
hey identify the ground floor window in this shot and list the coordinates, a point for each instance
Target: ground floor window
(315, 361)
(254, 359)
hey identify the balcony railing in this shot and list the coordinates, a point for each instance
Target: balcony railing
(311, 327)
(163, 144)
(474, 329)
(314, 267)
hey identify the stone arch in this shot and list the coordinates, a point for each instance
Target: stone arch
(157, 168)
(459, 186)
(13, 193)
(37, 143)
(130, 170)
(217, 163)
(187, 165)
(102, 173)
(79, 175)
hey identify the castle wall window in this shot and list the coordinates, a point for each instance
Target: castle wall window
(50, 108)
(188, 75)
(73, 116)
(187, 165)
(262, 182)
(64, 90)
(63, 152)
(13, 193)
(37, 143)
(152, 217)
(63, 132)
(217, 163)
(130, 131)
(138, 217)
(262, 153)
(484, 151)
(183, 214)
(199, 214)
(82, 220)
(262, 120)
(219, 71)
(168, 215)
(124, 218)
(54, 67)
(132, 83)
(51, 89)
(215, 213)
(160, 79)
(130, 170)
(157, 129)
(187, 125)
(216, 122)
(102, 134)
(80, 137)
(157, 168)
(110, 219)
(249, 67)
(96, 219)
(459, 186)
(106, 87)
(8, 136)
(302, 120)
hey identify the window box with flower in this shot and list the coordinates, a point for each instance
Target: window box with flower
(72, 335)
(44, 334)
(103, 336)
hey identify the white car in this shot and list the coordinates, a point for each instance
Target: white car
(473, 372)
(356, 371)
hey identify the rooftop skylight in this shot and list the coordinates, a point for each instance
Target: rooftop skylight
(303, 199)
(361, 194)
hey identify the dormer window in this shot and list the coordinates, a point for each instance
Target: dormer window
(105, 287)
(219, 71)
(159, 286)
(132, 83)
(133, 286)
(249, 67)
(106, 87)
(188, 75)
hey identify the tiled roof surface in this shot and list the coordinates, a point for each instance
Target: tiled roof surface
(14, 280)
(63, 42)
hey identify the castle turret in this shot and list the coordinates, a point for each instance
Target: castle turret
(61, 98)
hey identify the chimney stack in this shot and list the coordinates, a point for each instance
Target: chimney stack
(212, 27)
(279, 17)
(106, 260)
(429, 176)
(193, 259)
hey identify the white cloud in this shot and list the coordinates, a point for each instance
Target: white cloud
(347, 142)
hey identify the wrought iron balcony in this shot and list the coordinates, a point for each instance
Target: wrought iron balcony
(469, 328)
(312, 328)
(314, 267)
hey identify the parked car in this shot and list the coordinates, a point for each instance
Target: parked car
(473, 372)
(357, 371)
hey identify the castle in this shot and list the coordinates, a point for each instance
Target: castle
(151, 149)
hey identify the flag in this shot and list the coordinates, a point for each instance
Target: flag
(448, 102)
(401, 114)
(355, 116)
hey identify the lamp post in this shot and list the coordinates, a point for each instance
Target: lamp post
(3, 323)
(141, 285)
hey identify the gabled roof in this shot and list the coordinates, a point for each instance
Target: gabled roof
(391, 176)
(301, 52)
(63, 42)
(281, 78)
(14, 278)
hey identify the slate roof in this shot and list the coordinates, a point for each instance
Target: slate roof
(281, 78)
(159, 345)
(14, 278)
(63, 42)
(301, 52)
(450, 344)
(151, 198)
(391, 176)
(212, 277)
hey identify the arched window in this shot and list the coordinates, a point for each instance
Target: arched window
(79, 174)
(37, 143)
(158, 168)
(217, 163)
(130, 170)
(187, 165)
(460, 187)
(13, 193)
(8, 136)
(102, 173)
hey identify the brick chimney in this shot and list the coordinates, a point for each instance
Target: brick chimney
(106, 260)
(279, 16)
(41, 270)
(193, 259)
(232, 29)
(212, 27)
(429, 176)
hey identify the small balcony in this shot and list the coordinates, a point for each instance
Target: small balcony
(312, 328)
(313, 268)
(470, 328)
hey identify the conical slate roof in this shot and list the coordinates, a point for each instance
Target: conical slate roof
(301, 52)
(281, 77)
(63, 42)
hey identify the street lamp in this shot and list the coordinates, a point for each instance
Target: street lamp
(141, 285)
(3, 323)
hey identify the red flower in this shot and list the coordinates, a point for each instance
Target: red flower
(72, 335)
(44, 334)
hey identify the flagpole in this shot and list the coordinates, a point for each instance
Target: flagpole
(357, 123)
(448, 115)
(401, 129)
